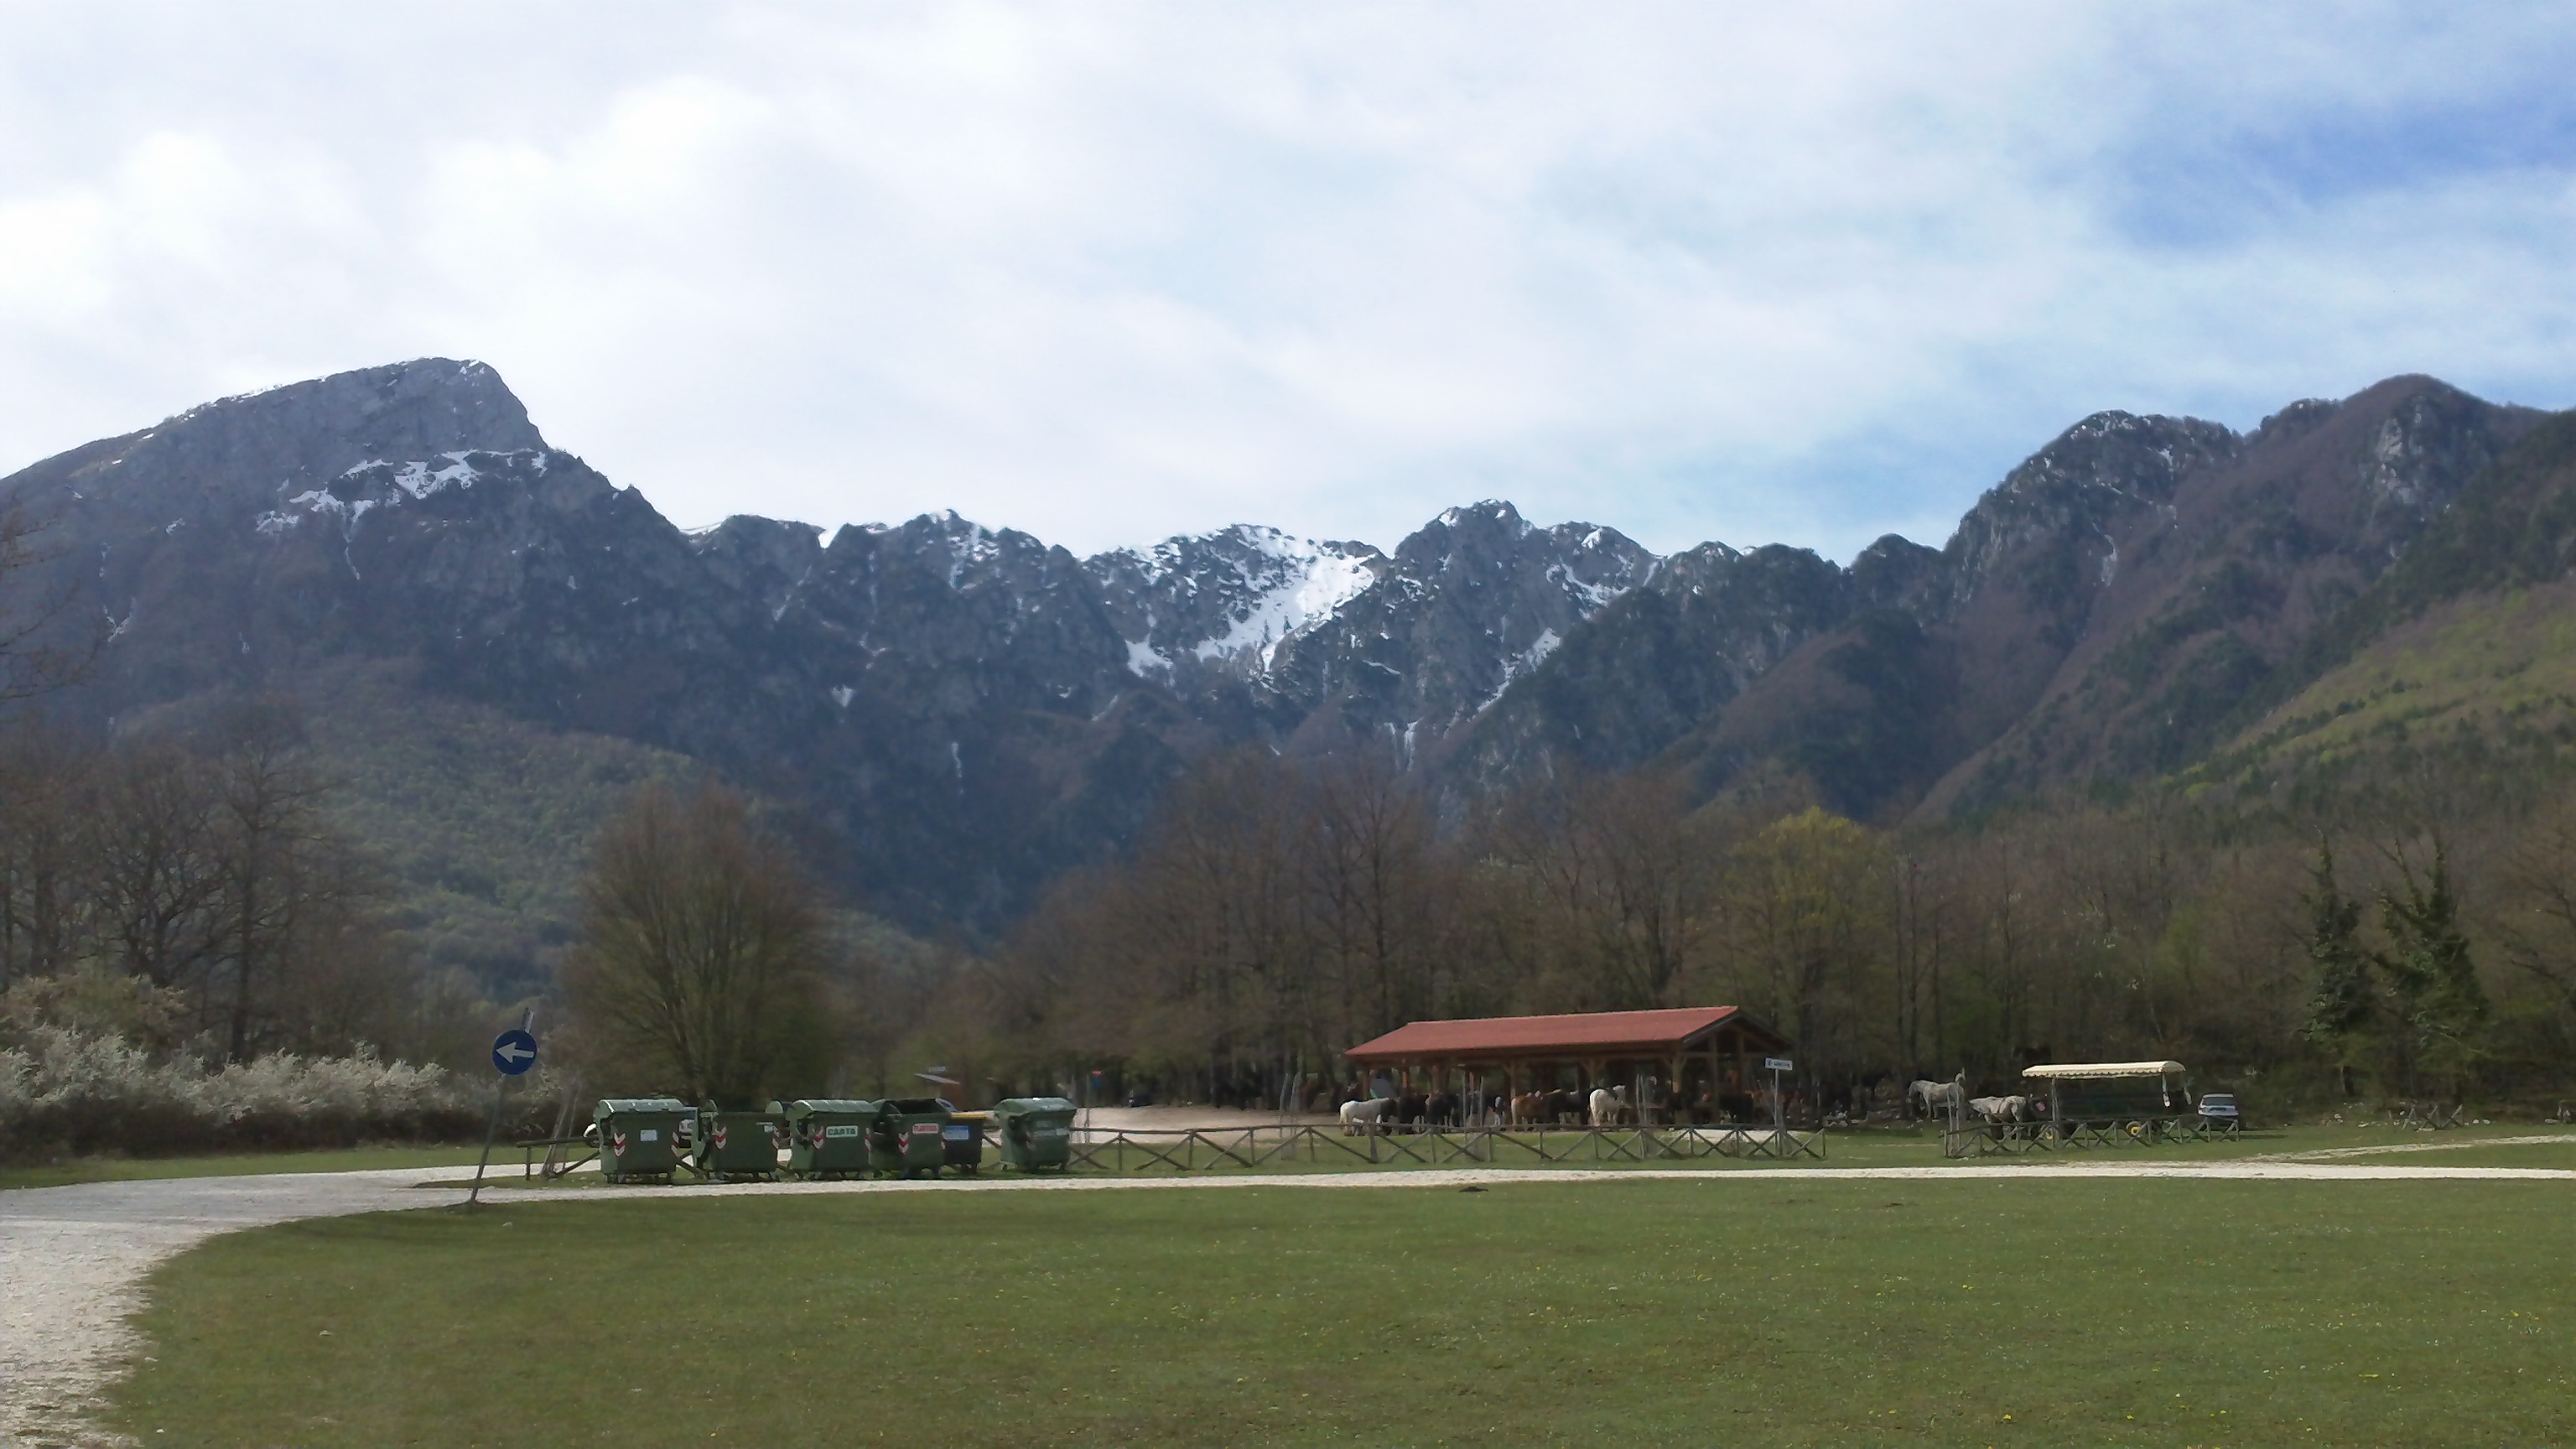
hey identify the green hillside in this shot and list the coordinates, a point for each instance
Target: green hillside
(483, 821)
(2464, 650)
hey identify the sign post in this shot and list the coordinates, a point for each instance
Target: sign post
(513, 1053)
(1779, 1104)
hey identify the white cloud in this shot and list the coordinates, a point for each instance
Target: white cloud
(1108, 273)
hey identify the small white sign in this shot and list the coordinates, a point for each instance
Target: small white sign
(648, 1135)
(1778, 1064)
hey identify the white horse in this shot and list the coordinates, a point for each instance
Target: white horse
(1930, 1097)
(1992, 1109)
(1609, 1107)
(1361, 1118)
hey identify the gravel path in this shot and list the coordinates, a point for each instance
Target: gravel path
(73, 1259)
(2331, 1154)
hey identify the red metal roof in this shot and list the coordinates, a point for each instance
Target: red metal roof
(1597, 1033)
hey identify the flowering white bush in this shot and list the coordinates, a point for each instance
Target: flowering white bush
(78, 1092)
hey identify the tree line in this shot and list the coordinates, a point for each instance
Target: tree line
(1278, 910)
(201, 862)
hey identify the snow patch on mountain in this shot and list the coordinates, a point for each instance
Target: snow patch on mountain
(420, 479)
(1231, 598)
(1147, 662)
(1517, 665)
(1298, 584)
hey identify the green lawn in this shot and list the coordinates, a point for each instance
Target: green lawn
(357, 1159)
(1644, 1312)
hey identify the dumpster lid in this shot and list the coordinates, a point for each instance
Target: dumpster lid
(642, 1104)
(804, 1106)
(914, 1106)
(1017, 1105)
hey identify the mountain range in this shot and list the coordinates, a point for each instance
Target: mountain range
(954, 714)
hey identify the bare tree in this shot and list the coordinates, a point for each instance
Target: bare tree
(157, 871)
(701, 957)
(44, 644)
(1621, 878)
(43, 840)
(271, 820)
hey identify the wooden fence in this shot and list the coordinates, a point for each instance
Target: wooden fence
(1293, 1145)
(1290, 1146)
(1989, 1139)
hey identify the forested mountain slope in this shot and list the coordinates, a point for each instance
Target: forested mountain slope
(954, 714)
(2465, 646)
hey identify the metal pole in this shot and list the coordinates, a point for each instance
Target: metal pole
(499, 1094)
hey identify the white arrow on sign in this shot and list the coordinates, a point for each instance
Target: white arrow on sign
(512, 1051)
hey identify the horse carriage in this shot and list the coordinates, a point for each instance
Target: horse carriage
(2086, 1104)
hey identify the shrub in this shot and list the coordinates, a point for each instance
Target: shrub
(66, 1091)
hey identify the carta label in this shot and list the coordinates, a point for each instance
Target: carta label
(648, 1135)
(955, 1134)
(844, 1131)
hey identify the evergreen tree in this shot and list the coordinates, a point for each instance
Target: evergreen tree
(2430, 974)
(2343, 1004)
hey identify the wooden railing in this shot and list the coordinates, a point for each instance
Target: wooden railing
(1989, 1139)
(1293, 1145)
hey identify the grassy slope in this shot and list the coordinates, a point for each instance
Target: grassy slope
(1675, 1312)
(484, 821)
(2464, 644)
(2499, 669)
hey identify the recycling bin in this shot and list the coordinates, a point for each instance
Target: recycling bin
(961, 1142)
(1035, 1132)
(641, 1138)
(828, 1137)
(738, 1146)
(906, 1137)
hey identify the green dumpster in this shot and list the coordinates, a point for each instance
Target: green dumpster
(827, 1137)
(905, 1138)
(1036, 1132)
(641, 1138)
(738, 1146)
(962, 1141)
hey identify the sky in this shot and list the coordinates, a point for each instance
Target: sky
(1108, 273)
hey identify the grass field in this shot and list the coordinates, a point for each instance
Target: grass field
(136, 1169)
(1644, 1312)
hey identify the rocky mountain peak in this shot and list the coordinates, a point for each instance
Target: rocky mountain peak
(1227, 601)
(256, 449)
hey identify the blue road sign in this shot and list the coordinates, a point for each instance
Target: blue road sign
(513, 1052)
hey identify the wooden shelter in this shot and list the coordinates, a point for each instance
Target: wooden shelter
(1720, 1047)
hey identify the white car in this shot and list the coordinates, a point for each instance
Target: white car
(2219, 1113)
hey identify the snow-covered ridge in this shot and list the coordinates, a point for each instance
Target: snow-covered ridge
(1306, 584)
(393, 482)
(1233, 597)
